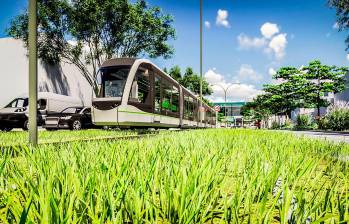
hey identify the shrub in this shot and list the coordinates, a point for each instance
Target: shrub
(338, 119)
(303, 122)
(275, 125)
(288, 124)
(323, 123)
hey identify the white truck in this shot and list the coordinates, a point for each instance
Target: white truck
(15, 114)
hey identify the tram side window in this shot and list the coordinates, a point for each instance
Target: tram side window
(195, 110)
(166, 96)
(157, 94)
(186, 107)
(140, 90)
(175, 100)
(191, 108)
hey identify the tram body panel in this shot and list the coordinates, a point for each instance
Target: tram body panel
(132, 116)
(104, 116)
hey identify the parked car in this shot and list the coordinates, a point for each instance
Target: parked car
(73, 118)
(15, 114)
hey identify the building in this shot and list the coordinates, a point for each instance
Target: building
(343, 96)
(62, 79)
(231, 112)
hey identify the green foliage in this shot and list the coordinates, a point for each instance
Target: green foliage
(338, 120)
(259, 109)
(190, 80)
(275, 125)
(304, 121)
(175, 73)
(203, 176)
(299, 88)
(323, 123)
(220, 117)
(87, 32)
(342, 11)
(20, 138)
(322, 79)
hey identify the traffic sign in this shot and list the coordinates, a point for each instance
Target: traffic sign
(217, 108)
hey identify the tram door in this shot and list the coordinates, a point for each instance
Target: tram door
(157, 99)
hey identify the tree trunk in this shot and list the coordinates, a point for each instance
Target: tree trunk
(318, 111)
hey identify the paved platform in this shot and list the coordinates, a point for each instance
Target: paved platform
(330, 136)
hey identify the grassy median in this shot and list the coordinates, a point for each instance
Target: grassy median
(201, 176)
(15, 138)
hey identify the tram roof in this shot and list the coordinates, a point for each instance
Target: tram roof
(119, 62)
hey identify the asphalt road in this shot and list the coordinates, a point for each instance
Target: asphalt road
(330, 136)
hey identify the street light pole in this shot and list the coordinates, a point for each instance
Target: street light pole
(33, 73)
(225, 89)
(201, 59)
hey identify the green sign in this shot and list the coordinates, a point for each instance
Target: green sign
(230, 104)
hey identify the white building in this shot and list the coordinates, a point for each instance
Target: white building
(64, 79)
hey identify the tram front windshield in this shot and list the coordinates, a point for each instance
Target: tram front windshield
(113, 81)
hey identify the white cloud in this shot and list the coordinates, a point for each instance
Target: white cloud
(246, 42)
(278, 45)
(222, 18)
(271, 71)
(247, 73)
(271, 41)
(268, 30)
(212, 77)
(74, 43)
(335, 26)
(236, 92)
(348, 57)
(207, 24)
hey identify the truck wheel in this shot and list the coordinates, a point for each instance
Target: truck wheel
(25, 125)
(76, 125)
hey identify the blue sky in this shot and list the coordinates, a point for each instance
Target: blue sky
(294, 32)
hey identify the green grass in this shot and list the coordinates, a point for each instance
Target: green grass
(202, 176)
(21, 137)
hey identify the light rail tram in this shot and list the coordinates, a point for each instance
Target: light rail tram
(136, 93)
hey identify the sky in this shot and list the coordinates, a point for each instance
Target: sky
(245, 41)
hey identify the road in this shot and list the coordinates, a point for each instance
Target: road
(331, 136)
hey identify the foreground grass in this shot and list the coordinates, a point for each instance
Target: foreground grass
(219, 176)
(21, 137)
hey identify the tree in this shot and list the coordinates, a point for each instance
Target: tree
(322, 79)
(303, 87)
(258, 109)
(287, 95)
(191, 81)
(87, 32)
(175, 73)
(342, 11)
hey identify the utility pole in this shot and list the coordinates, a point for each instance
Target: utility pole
(200, 60)
(33, 73)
